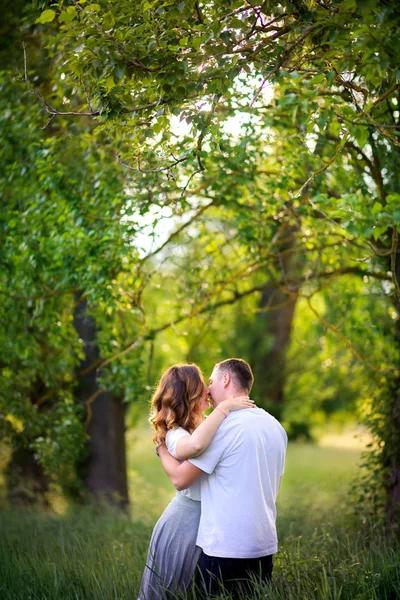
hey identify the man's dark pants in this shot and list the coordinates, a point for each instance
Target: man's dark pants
(232, 574)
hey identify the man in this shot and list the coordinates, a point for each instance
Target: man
(244, 463)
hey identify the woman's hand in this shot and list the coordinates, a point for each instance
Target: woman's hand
(159, 446)
(236, 403)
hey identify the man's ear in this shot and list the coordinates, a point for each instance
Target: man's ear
(226, 378)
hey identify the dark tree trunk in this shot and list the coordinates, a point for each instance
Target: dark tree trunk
(393, 461)
(103, 471)
(27, 483)
(393, 481)
(274, 325)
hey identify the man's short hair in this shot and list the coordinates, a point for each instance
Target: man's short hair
(240, 371)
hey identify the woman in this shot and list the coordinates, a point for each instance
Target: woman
(177, 416)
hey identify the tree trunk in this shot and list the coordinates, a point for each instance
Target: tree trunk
(273, 328)
(103, 471)
(393, 461)
(27, 483)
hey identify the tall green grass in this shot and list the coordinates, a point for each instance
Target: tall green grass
(86, 556)
(326, 551)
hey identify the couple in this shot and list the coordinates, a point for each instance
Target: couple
(227, 469)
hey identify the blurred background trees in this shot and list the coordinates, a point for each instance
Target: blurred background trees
(191, 181)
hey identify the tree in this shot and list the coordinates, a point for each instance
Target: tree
(332, 122)
(53, 246)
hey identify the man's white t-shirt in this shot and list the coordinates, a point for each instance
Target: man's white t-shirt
(245, 462)
(171, 440)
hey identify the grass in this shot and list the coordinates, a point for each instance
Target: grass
(325, 553)
(85, 556)
(315, 482)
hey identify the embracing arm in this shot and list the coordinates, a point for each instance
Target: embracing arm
(182, 475)
(194, 444)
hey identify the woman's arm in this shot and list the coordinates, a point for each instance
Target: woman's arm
(192, 445)
(182, 475)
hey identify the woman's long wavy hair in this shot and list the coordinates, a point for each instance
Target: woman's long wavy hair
(176, 401)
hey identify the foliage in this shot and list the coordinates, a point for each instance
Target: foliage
(210, 129)
(53, 246)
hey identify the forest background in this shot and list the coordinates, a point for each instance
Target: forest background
(189, 181)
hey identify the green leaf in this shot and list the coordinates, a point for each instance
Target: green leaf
(46, 17)
(68, 15)
(393, 199)
(108, 20)
(92, 7)
(377, 208)
(334, 127)
(377, 231)
(330, 77)
(349, 5)
(317, 79)
(110, 83)
(361, 134)
(320, 198)
(396, 216)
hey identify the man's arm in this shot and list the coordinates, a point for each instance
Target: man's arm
(182, 475)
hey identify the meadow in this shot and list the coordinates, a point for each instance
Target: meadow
(327, 551)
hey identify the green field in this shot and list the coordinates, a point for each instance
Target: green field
(325, 552)
(315, 483)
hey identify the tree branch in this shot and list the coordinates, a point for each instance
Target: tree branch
(178, 231)
(393, 254)
(235, 296)
(348, 343)
(324, 168)
(286, 55)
